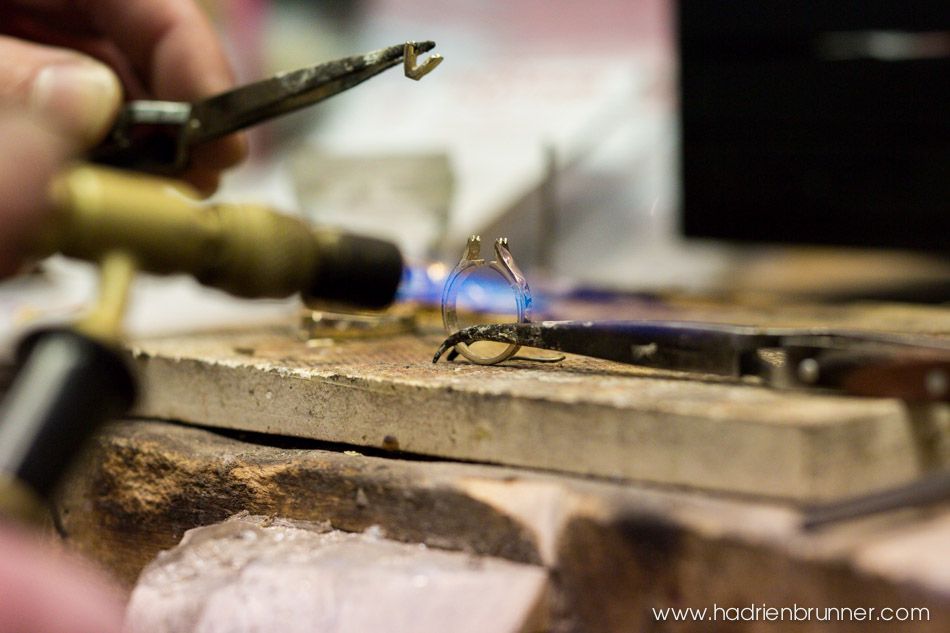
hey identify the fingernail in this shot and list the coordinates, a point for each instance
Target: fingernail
(80, 98)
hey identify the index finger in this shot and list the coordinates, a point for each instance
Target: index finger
(170, 43)
(173, 50)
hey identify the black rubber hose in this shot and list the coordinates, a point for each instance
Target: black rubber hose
(66, 385)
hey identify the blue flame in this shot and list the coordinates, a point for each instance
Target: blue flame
(423, 283)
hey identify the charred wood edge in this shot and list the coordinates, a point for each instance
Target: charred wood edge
(145, 483)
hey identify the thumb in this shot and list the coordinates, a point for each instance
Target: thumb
(73, 92)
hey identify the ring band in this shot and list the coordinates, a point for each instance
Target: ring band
(505, 266)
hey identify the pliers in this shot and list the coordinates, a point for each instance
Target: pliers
(850, 362)
(157, 136)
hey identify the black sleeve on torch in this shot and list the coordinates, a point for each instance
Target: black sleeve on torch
(65, 387)
(358, 271)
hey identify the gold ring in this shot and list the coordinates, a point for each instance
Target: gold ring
(505, 266)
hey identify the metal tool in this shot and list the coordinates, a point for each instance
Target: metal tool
(856, 363)
(128, 221)
(157, 136)
(928, 490)
(327, 326)
(72, 379)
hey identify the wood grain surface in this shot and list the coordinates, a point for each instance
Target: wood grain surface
(582, 416)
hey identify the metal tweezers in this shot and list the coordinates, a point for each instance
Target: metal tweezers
(913, 368)
(157, 136)
(870, 364)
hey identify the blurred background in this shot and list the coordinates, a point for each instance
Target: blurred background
(620, 145)
(595, 135)
(551, 123)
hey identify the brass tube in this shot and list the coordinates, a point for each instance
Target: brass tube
(19, 502)
(248, 250)
(104, 321)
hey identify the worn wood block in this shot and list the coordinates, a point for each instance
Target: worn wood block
(581, 416)
(257, 574)
(143, 484)
(615, 551)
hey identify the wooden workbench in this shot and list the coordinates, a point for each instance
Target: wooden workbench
(612, 552)
(628, 489)
(581, 416)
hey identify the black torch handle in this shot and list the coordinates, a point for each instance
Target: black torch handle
(66, 385)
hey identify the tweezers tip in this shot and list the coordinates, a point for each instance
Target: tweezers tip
(424, 46)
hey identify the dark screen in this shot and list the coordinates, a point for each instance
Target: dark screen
(816, 122)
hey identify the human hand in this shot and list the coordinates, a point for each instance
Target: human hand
(43, 590)
(31, 152)
(70, 62)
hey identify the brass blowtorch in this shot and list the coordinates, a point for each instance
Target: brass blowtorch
(71, 379)
(126, 222)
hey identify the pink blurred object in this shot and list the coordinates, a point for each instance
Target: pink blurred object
(45, 590)
(244, 23)
(540, 26)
